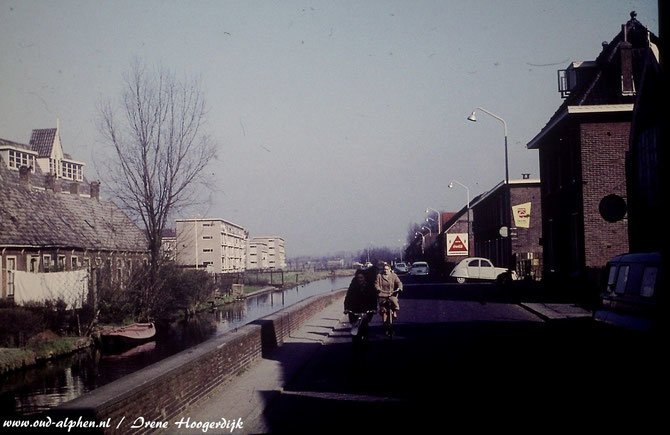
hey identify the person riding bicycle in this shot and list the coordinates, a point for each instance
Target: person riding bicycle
(386, 283)
(361, 297)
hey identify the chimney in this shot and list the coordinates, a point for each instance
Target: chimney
(74, 188)
(24, 176)
(626, 53)
(51, 183)
(95, 189)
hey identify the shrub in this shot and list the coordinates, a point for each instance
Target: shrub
(18, 324)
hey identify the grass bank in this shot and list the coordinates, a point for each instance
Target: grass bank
(15, 358)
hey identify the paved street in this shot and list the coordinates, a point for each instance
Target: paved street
(469, 355)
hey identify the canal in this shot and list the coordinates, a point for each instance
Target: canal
(40, 388)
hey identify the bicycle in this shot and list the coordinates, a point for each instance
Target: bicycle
(359, 327)
(387, 310)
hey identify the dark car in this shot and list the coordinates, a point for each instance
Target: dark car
(630, 295)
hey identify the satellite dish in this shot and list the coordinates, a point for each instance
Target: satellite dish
(504, 231)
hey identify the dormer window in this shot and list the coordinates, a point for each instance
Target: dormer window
(576, 74)
(16, 157)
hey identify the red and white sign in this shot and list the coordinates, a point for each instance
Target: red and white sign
(457, 244)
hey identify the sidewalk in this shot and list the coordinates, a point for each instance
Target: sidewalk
(245, 398)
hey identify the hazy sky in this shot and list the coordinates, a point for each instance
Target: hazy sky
(337, 122)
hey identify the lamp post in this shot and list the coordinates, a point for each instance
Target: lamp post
(439, 219)
(506, 214)
(467, 206)
(430, 233)
(423, 240)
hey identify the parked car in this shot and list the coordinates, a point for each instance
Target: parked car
(419, 268)
(478, 268)
(400, 268)
(629, 297)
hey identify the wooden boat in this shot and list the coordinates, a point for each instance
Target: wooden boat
(127, 336)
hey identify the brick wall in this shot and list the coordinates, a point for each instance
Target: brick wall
(604, 147)
(163, 390)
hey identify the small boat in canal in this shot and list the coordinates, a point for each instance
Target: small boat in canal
(127, 336)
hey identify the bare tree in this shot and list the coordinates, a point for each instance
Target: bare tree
(160, 149)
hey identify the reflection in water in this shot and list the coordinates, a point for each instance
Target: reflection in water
(39, 388)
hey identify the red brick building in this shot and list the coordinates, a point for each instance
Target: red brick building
(582, 152)
(520, 250)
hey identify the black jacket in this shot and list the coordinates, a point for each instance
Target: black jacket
(360, 298)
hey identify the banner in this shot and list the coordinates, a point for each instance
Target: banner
(457, 244)
(521, 214)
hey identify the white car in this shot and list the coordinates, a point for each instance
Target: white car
(477, 268)
(419, 268)
(400, 268)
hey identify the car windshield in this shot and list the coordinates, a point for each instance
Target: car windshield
(417, 264)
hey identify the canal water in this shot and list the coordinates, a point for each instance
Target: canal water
(48, 385)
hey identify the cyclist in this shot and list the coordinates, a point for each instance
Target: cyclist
(386, 283)
(361, 297)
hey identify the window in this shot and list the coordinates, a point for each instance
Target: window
(74, 262)
(622, 279)
(61, 262)
(18, 159)
(207, 237)
(207, 250)
(473, 263)
(47, 262)
(11, 267)
(611, 278)
(33, 264)
(648, 282)
(485, 263)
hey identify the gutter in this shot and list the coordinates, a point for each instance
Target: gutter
(573, 110)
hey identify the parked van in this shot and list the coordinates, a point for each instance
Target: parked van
(629, 299)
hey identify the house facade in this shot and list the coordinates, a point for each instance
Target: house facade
(213, 244)
(519, 247)
(56, 222)
(582, 152)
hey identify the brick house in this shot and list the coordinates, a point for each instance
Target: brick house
(521, 250)
(55, 220)
(643, 160)
(582, 152)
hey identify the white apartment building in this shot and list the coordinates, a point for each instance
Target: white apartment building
(276, 255)
(257, 255)
(213, 244)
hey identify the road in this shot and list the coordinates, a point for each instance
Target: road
(470, 355)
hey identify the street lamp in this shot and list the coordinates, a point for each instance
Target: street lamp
(506, 214)
(467, 196)
(429, 231)
(423, 240)
(439, 219)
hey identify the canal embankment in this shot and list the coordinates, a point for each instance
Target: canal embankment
(168, 387)
(38, 351)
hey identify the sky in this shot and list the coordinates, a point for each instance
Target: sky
(337, 123)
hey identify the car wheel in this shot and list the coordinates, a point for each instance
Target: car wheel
(460, 280)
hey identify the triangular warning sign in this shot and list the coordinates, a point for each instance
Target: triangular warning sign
(458, 246)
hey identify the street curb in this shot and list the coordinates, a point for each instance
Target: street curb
(549, 312)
